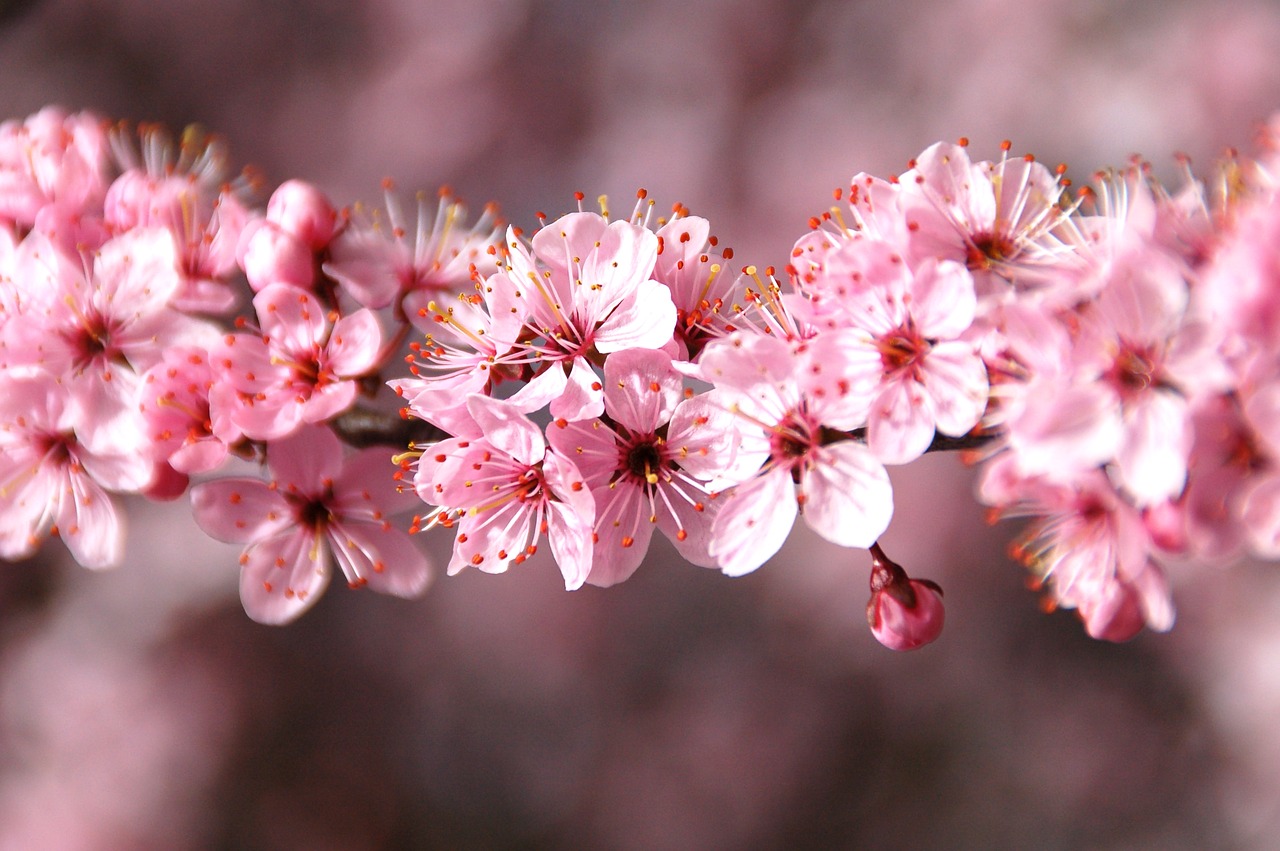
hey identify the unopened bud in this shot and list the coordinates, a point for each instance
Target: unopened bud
(271, 255)
(304, 211)
(904, 613)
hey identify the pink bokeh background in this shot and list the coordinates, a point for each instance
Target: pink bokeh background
(141, 709)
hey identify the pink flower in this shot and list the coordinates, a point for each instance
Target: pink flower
(904, 613)
(51, 159)
(53, 483)
(183, 188)
(467, 351)
(789, 402)
(999, 219)
(1088, 544)
(586, 288)
(98, 324)
(303, 367)
(381, 261)
(640, 463)
(692, 267)
(504, 491)
(318, 508)
(929, 379)
(1138, 351)
(187, 428)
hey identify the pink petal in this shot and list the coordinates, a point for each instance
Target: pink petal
(623, 532)
(354, 344)
(956, 381)
(380, 556)
(283, 576)
(901, 424)
(570, 534)
(943, 302)
(583, 396)
(754, 521)
(848, 498)
(640, 388)
(1152, 462)
(508, 429)
(367, 488)
(490, 540)
(696, 524)
(645, 319)
(89, 524)
(364, 263)
(290, 317)
(239, 510)
(542, 389)
(306, 461)
(326, 402)
(591, 444)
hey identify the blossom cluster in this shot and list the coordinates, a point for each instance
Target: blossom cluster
(304, 373)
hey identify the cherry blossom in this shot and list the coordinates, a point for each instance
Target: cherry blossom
(586, 287)
(52, 482)
(382, 260)
(643, 463)
(318, 509)
(302, 367)
(791, 456)
(503, 491)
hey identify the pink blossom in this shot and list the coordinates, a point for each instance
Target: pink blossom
(929, 378)
(183, 188)
(318, 508)
(468, 350)
(504, 491)
(51, 159)
(99, 323)
(51, 482)
(1090, 546)
(641, 461)
(693, 269)
(791, 457)
(997, 218)
(586, 287)
(1130, 347)
(380, 261)
(187, 427)
(302, 368)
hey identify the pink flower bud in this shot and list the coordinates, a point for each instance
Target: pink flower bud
(304, 211)
(904, 613)
(271, 255)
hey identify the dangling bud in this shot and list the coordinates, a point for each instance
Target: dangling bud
(904, 613)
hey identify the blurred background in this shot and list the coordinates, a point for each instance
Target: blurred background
(142, 709)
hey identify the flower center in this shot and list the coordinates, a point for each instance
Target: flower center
(902, 349)
(986, 249)
(1133, 370)
(643, 459)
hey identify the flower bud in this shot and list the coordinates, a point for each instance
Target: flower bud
(303, 210)
(271, 255)
(904, 613)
